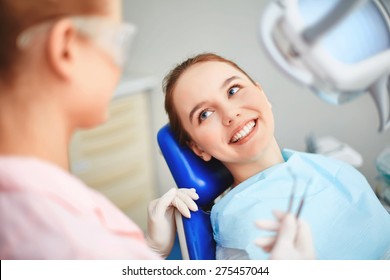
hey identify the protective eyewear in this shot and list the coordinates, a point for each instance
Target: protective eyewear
(114, 38)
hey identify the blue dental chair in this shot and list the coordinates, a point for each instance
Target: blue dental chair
(210, 179)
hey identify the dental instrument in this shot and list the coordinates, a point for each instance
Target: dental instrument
(302, 201)
(293, 191)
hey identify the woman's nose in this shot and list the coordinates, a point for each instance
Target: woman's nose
(230, 117)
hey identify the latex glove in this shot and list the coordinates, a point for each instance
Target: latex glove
(293, 240)
(161, 219)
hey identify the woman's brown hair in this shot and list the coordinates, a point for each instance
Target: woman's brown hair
(170, 82)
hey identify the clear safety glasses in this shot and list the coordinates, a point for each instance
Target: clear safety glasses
(113, 37)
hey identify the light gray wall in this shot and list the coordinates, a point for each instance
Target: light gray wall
(171, 30)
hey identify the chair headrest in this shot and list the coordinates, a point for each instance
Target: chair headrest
(209, 179)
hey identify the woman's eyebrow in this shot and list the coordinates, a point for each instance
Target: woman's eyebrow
(199, 105)
(228, 81)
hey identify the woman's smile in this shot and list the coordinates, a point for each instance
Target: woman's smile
(244, 132)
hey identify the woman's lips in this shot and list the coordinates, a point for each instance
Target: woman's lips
(243, 132)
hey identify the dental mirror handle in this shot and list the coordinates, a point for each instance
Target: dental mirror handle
(381, 95)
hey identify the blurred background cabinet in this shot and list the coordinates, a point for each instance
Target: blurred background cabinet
(116, 158)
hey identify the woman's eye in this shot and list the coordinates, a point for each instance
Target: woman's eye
(233, 90)
(204, 115)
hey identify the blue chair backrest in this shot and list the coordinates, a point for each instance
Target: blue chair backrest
(210, 179)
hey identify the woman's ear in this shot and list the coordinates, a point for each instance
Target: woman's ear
(61, 47)
(261, 89)
(198, 151)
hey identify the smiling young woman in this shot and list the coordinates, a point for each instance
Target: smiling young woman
(216, 109)
(221, 111)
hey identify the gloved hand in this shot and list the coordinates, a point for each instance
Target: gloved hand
(161, 220)
(293, 240)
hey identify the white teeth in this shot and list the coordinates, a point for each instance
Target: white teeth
(243, 132)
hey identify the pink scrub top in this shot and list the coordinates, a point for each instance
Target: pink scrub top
(46, 213)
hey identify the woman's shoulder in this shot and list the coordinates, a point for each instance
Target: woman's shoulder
(333, 170)
(318, 161)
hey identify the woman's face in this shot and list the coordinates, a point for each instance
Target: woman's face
(227, 116)
(70, 62)
(97, 78)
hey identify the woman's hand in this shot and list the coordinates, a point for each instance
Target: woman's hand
(293, 239)
(161, 220)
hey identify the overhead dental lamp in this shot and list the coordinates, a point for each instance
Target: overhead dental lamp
(340, 49)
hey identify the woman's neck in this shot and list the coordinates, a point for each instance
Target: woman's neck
(33, 129)
(270, 157)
